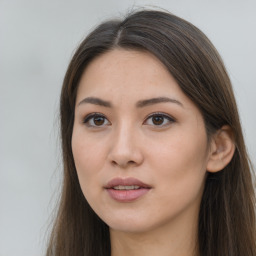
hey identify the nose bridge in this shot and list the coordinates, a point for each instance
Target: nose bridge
(125, 147)
(124, 134)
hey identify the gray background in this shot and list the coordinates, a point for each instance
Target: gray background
(36, 43)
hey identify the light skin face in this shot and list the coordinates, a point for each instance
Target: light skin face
(163, 143)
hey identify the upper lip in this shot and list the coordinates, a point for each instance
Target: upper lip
(126, 182)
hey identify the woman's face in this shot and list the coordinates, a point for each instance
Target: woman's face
(139, 143)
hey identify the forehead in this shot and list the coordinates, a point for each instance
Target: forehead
(119, 75)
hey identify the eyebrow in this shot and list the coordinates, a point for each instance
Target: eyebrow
(139, 104)
(96, 101)
(148, 102)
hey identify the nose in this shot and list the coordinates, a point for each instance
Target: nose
(126, 148)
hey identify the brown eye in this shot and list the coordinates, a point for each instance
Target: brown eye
(96, 120)
(159, 119)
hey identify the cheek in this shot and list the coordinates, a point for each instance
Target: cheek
(180, 163)
(182, 150)
(88, 158)
(179, 176)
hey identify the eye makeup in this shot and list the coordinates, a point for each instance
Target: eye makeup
(157, 119)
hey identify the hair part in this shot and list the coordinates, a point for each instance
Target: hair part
(227, 213)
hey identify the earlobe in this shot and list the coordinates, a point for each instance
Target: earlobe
(222, 149)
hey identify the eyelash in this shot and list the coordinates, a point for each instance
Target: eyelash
(91, 116)
(164, 116)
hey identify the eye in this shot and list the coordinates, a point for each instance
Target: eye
(96, 120)
(159, 119)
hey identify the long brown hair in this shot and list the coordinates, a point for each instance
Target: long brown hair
(227, 213)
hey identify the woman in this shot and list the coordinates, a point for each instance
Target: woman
(153, 152)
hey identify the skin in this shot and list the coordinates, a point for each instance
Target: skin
(127, 142)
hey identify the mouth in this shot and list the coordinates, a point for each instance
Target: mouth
(126, 190)
(119, 187)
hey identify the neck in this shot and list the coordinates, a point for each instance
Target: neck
(179, 239)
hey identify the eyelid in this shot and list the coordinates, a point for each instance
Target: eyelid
(88, 117)
(164, 115)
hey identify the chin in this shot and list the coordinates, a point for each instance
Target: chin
(129, 227)
(130, 224)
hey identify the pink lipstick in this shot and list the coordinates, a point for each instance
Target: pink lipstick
(126, 190)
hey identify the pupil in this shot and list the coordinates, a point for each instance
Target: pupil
(98, 120)
(158, 120)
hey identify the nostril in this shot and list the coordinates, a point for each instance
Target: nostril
(124, 155)
(123, 164)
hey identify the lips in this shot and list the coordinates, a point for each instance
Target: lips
(126, 182)
(126, 190)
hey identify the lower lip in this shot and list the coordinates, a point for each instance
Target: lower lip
(127, 195)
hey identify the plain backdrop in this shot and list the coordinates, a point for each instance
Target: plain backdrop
(37, 40)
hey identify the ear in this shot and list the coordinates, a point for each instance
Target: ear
(222, 149)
